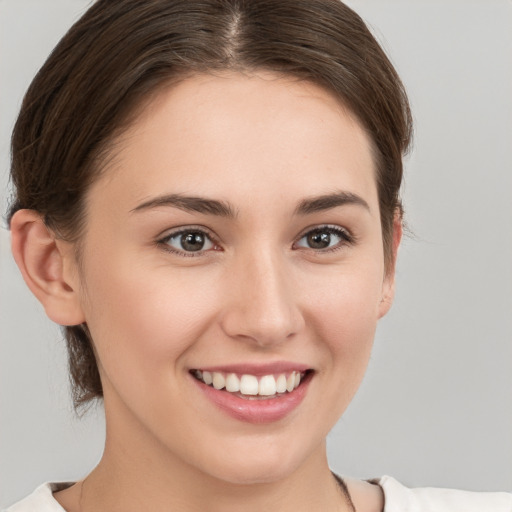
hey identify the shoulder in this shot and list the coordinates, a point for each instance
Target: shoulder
(399, 498)
(41, 500)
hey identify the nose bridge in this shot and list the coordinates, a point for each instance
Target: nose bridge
(263, 300)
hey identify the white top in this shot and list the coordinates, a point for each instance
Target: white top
(427, 499)
(397, 498)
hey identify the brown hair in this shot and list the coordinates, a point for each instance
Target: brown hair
(122, 51)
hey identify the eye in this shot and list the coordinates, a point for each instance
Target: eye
(324, 238)
(188, 241)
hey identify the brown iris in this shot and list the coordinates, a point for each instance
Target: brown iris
(319, 239)
(193, 241)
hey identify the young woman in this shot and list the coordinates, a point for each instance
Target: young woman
(207, 198)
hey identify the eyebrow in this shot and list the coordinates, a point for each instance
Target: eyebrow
(223, 209)
(189, 203)
(329, 201)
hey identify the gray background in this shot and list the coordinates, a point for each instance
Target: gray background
(436, 405)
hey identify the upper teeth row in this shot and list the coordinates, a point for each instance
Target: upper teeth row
(249, 384)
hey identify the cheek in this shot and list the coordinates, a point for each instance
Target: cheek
(142, 321)
(342, 318)
(344, 315)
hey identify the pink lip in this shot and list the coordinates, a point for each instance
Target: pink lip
(255, 411)
(258, 370)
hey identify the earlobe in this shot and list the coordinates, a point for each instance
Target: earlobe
(42, 261)
(388, 288)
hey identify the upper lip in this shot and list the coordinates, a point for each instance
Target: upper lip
(256, 369)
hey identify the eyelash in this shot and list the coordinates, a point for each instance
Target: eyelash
(346, 238)
(164, 242)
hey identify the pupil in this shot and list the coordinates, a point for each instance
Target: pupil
(192, 241)
(319, 240)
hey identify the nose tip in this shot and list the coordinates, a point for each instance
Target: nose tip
(263, 306)
(266, 326)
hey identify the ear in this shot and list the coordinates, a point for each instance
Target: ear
(388, 286)
(48, 267)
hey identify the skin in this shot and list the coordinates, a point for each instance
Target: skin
(258, 293)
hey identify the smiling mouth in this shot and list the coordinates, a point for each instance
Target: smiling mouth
(252, 387)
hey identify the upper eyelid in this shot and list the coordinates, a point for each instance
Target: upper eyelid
(167, 233)
(318, 227)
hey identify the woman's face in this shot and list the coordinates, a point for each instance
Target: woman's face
(235, 236)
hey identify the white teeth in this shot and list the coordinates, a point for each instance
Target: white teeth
(232, 383)
(281, 383)
(218, 380)
(207, 378)
(267, 386)
(249, 385)
(290, 382)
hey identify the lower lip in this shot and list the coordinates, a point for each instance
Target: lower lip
(256, 411)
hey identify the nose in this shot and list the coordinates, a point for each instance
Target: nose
(262, 305)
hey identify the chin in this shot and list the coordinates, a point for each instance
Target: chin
(253, 475)
(266, 466)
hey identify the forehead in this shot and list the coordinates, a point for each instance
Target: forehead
(235, 134)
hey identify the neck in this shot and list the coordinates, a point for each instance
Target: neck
(144, 475)
(138, 483)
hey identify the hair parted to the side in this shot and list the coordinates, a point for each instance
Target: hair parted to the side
(121, 52)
